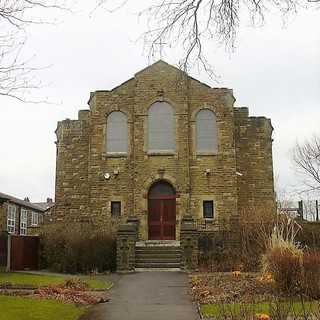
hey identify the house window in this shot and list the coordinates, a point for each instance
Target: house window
(34, 218)
(161, 128)
(23, 222)
(115, 208)
(11, 219)
(117, 133)
(208, 209)
(206, 132)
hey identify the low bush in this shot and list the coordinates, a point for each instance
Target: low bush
(311, 274)
(284, 255)
(82, 248)
(286, 270)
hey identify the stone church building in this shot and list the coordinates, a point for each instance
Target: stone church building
(159, 147)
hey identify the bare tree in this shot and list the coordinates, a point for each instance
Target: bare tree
(190, 23)
(306, 157)
(17, 75)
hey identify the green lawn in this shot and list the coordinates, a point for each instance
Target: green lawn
(25, 279)
(212, 310)
(16, 308)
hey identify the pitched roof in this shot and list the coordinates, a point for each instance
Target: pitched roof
(45, 205)
(20, 202)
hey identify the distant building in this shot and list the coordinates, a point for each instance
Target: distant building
(48, 208)
(20, 216)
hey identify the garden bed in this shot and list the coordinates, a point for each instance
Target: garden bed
(237, 295)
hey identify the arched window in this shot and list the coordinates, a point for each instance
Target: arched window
(117, 133)
(161, 128)
(207, 132)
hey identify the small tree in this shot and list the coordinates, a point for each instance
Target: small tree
(306, 157)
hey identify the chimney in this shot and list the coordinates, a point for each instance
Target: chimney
(49, 200)
(26, 199)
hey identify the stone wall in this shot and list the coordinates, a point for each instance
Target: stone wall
(72, 169)
(253, 138)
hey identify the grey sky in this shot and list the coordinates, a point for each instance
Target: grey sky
(274, 71)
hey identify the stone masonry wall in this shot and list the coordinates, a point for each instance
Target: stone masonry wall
(254, 162)
(72, 170)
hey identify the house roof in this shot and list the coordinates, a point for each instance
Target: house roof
(45, 205)
(20, 202)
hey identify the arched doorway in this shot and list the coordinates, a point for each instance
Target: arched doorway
(162, 211)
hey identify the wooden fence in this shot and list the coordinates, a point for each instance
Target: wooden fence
(23, 252)
(3, 250)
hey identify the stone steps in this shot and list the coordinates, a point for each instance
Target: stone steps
(158, 255)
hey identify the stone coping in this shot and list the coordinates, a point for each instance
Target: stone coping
(159, 270)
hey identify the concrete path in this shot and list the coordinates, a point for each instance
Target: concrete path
(147, 296)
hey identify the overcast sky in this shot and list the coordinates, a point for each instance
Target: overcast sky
(275, 71)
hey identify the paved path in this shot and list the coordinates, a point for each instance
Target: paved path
(148, 296)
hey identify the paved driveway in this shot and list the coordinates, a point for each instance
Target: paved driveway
(148, 296)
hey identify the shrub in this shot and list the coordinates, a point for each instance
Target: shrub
(83, 248)
(256, 225)
(285, 268)
(311, 274)
(283, 257)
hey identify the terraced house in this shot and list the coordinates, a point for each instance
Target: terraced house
(159, 147)
(20, 217)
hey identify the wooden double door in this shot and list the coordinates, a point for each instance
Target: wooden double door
(162, 214)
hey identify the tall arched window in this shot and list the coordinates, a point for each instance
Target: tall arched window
(161, 128)
(207, 131)
(117, 133)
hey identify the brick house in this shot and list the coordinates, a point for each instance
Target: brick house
(20, 217)
(158, 147)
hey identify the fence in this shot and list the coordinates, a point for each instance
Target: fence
(3, 250)
(23, 252)
(307, 210)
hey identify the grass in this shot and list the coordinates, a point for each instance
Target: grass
(213, 310)
(16, 308)
(24, 279)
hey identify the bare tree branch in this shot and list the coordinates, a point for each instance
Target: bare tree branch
(17, 75)
(306, 157)
(190, 23)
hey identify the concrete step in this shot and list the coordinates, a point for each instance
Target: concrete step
(158, 259)
(162, 265)
(157, 255)
(159, 249)
(158, 243)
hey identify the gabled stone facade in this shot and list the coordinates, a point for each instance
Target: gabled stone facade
(238, 176)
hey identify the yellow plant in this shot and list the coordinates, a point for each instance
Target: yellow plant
(262, 316)
(236, 273)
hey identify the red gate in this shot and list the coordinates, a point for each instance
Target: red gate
(3, 250)
(24, 252)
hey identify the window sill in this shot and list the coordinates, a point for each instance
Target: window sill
(161, 153)
(115, 155)
(206, 154)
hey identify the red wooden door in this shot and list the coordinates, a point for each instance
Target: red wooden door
(162, 219)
